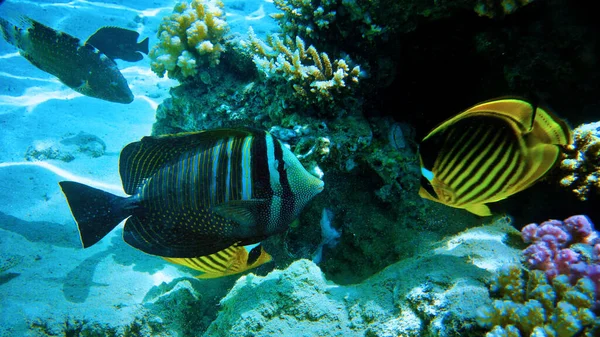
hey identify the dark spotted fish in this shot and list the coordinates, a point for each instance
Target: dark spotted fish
(80, 66)
(232, 260)
(119, 43)
(489, 152)
(195, 194)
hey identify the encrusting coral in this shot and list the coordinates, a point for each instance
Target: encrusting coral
(532, 306)
(191, 36)
(582, 162)
(302, 17)
(559, 297)
(312, 75)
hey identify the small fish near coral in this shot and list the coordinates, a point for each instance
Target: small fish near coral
(80, 66)
(490, 152)
(197, 194)
(119, 43)
(230, 261)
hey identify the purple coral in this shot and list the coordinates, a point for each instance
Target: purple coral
(569, 247)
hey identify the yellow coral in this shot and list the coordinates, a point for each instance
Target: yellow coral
(191, 36)
(534, 307)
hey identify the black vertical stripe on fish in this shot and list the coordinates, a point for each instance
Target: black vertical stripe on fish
(459, 149)
(480, 182)
(204, 265)
(261, 179)
(525, 147)
(195, 194)
(220, 176)
(223, 256)
(505, 169)
(287, 196)
(455, 170)
(215, 263)
(473, 173)
(236, 170)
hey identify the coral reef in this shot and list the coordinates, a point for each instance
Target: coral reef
(581, 164)
(495, 8)
(313, 76)
(434, 294)
(532, 306)
(570, 248)
(190, 37)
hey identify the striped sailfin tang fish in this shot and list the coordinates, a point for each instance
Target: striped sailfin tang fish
(196, 194)
(232, 260)
(489, 152)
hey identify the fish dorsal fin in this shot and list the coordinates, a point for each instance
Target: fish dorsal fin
(549, 129)
(140, 160)
(244, 212)
(514, 109)
(518, 112)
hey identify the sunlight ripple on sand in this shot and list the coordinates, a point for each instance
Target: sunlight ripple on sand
(35, 96)
(90, 4)
(51, 80)
(257, 14)
(11, 55)
(67, 175)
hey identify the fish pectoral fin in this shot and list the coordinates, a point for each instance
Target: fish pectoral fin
(244, 212)
(479, 209)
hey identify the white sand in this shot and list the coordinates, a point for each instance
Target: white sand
(55, 277)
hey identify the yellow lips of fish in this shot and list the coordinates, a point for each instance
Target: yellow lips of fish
(489, 152)
(232, 260)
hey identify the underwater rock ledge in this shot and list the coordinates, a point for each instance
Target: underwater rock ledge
(440, 298)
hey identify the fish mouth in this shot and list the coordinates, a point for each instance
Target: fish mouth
(321, 187)
(125, 99)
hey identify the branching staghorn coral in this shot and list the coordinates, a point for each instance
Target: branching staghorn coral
(582, 162)
(312, 75)
(191, 36)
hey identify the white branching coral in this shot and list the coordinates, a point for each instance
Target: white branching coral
(312, 75)
(191, 36)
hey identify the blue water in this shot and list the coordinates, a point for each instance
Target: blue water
(400, 265)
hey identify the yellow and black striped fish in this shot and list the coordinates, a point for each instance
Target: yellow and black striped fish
(232, 260)
(489, 152)
(195, 194)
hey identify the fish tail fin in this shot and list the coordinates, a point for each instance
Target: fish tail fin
(9, 31)
(96, 212)
(144, 46)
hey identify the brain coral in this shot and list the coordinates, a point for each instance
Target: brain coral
(191, 36)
